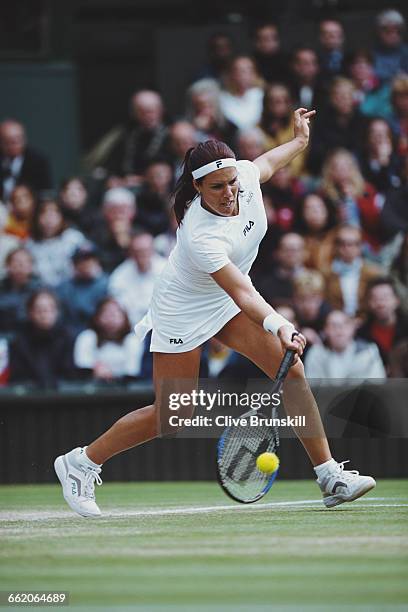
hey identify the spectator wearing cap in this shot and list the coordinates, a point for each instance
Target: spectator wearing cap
(112, 233)
(20, 163)
(390, 53)
(15, 289)
(81, 294)
(132, 282)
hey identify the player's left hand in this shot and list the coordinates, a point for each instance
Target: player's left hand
(298, 343)
(301, 120)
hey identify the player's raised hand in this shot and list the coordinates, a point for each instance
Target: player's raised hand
(301, 118)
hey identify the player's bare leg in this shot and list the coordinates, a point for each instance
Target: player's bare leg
(264, 350)
(169, 370)
(78, 470)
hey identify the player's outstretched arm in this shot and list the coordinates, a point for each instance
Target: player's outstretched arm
(276, 158)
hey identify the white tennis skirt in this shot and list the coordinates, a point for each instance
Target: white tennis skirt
(182, 319)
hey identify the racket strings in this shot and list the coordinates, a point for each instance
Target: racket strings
(238, 450)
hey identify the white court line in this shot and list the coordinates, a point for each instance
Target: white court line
(23, 515)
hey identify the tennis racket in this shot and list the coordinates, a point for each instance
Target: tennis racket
(240, 445)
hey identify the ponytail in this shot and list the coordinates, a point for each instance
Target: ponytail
(203, 153)
(184, 191)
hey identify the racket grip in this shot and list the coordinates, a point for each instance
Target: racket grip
(285, 365)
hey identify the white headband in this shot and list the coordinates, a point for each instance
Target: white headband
(228, 162)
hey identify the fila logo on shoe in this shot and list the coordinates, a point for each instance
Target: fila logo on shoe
(75, 485)
(248, 227)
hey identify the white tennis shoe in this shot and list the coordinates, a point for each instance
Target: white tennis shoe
(78, 482)
(339, 485)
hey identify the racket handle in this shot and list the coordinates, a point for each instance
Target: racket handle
(285, 365)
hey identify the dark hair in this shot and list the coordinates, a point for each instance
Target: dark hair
(300, 223)
(202, 154)
(368, 127)
(264, 24)
(377, 282)
(70, 179)
(36, 231)
(353, 56)
(123, 331)
(28, 188)
(18, 249)
(300, 48)
(38, 293)
(268, 117)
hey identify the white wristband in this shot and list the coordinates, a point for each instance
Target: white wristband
(273, 322)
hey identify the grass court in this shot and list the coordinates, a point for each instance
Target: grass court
(185, 546)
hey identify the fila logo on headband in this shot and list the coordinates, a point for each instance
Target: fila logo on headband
(228, 162)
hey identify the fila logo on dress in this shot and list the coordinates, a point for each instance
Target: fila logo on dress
(248, 227)
(175, 341)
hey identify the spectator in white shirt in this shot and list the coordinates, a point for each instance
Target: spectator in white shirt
(241, 100)
(132, 282)
(108, 349)
(53, 243)
(342, 356)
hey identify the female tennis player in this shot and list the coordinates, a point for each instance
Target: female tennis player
(204, 292)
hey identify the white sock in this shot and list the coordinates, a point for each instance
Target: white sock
(321, 469)
(85, 460)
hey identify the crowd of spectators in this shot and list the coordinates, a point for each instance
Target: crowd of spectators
(78, 264)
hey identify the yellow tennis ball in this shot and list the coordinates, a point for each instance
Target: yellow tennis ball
(267, 463)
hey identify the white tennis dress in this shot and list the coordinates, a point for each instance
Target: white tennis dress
(188, 307)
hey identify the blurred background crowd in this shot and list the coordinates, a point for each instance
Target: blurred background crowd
(78, 259)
